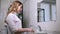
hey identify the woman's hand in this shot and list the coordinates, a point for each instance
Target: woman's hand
(30, 30)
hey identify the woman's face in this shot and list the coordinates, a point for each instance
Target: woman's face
(19, 9)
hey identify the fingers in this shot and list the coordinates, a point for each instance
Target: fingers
(31, 30)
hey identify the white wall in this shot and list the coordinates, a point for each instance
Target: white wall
(0, 12)
(4, 8)
(30, 13)
(26, 10)
(58, 15)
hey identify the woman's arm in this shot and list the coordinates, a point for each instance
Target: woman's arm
(21, 30)
(25, 30)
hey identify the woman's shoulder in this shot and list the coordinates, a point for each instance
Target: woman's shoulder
(11, 16)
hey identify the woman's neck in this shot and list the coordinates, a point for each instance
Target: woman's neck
(14, 13)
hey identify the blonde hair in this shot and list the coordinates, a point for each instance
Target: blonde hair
(13, 7)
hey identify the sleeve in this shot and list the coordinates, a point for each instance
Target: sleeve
(14, 23)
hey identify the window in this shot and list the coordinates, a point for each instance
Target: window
(46, 11)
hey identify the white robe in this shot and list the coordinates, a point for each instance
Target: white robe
(14, 22)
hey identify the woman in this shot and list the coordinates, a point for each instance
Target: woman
(13, 21)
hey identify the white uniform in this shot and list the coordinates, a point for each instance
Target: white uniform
(14, 22)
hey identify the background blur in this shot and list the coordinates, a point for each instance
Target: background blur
(30, 17)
